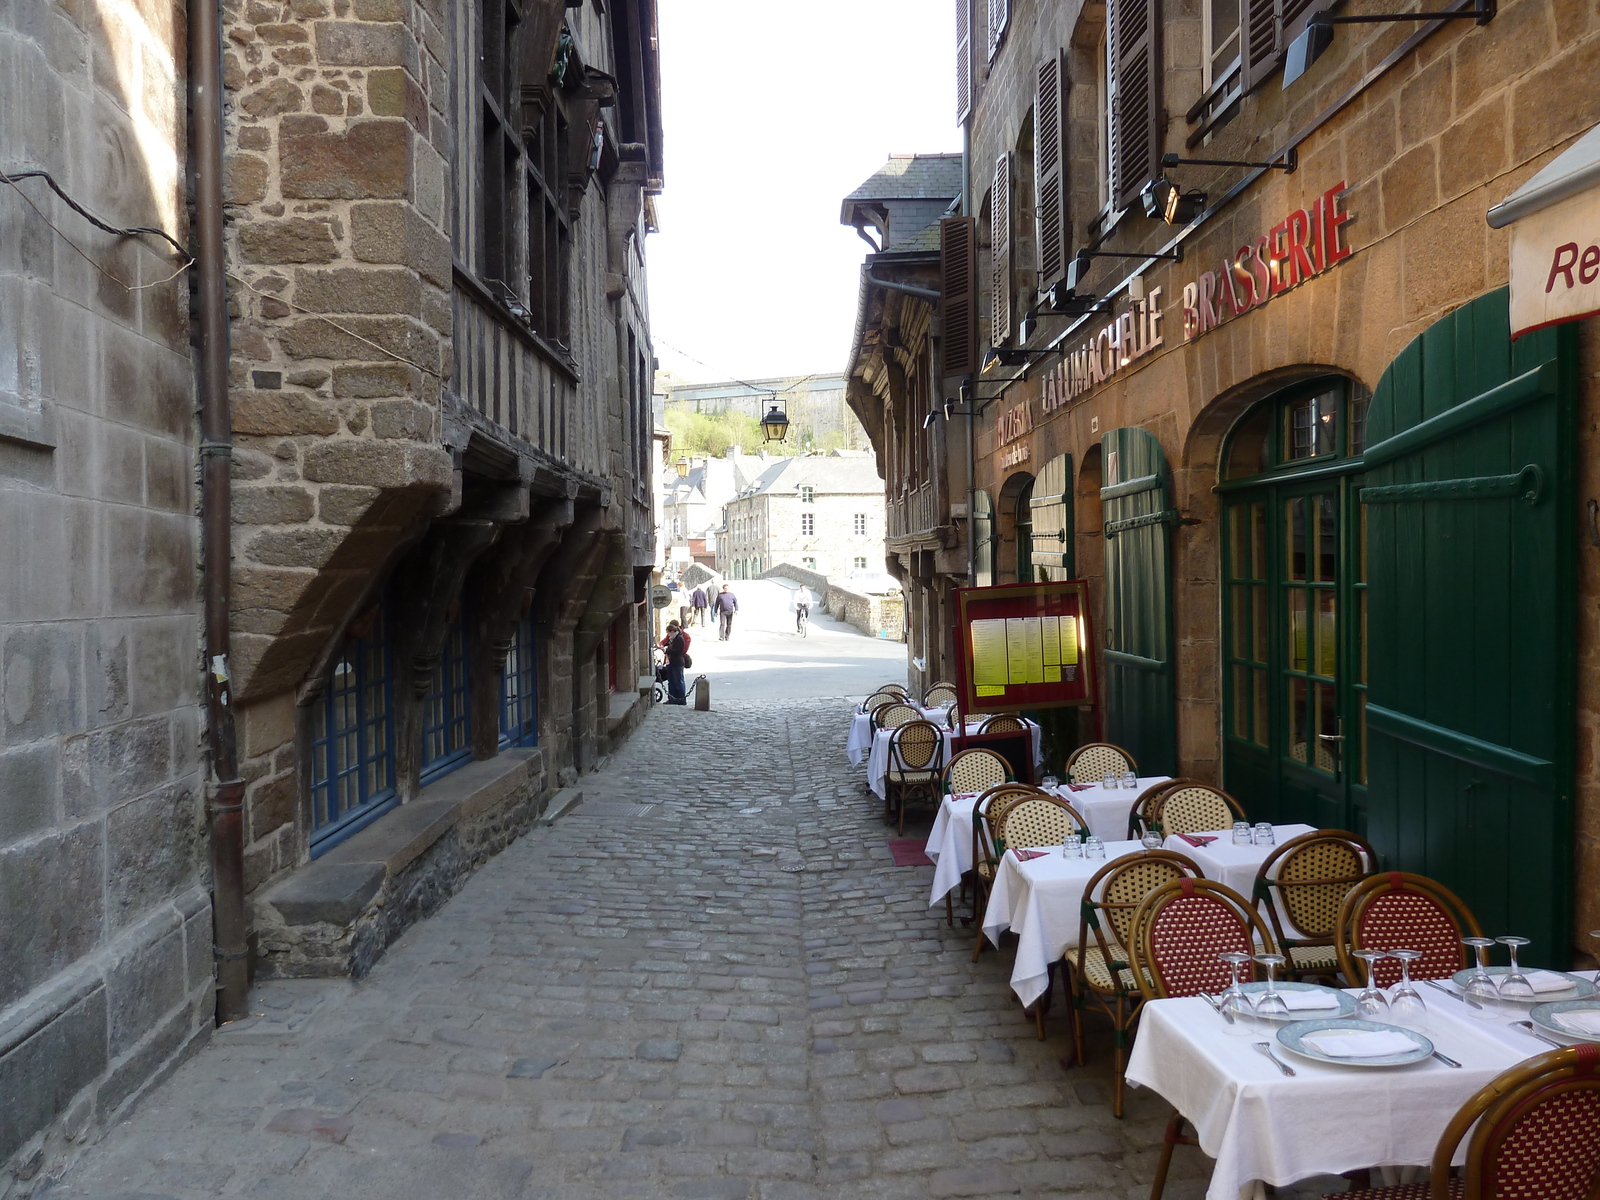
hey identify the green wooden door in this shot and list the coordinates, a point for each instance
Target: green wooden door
(1051, 502)
(1469, 505)
(1140, 692)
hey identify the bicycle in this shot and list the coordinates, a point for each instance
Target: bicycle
(802, 618)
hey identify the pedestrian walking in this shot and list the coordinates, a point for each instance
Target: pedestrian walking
(726, 605)
(676, 644)
(699, 603)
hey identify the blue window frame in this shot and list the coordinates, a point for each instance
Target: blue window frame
(446, 727)
(352, 743)
(519, 689)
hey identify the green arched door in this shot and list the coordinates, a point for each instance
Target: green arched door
(1470, 532)
(1140, 692)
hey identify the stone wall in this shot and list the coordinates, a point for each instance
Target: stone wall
(105, 925)
(880, 616)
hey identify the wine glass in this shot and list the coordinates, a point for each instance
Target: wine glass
(1151, 839)
(1480, 993)
(1514, 985)
(1405, 1002)
(1371, 1003)
(1235, 1002)
(1269, 1004)
(1049, 783)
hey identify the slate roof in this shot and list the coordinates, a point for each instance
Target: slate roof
(829, 475)
(912, 177)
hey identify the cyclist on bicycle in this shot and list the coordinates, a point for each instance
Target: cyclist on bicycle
(801, 602)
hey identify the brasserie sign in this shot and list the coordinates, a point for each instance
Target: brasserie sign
(1128, 337)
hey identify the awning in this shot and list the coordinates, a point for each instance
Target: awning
(1575, 169)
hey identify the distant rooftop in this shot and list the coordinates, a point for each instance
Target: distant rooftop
(911, 177)
(903, 201)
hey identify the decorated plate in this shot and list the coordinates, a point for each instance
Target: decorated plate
(1291, 1037)
(1581, 988)
(1548, 1018)
(1347, 1002)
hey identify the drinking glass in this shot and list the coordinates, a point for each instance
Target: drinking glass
(1236, 1001)
(1264, 835)
(1514, 984)
(1241, 833)
(1094, 848)
(1049, 781)
(1405, 1002)
(1595, 933)
(1480, 993)
(1151, 840)
(1371, 1003)
(1109, 781)
(1130, 780)
(1269, 1004)
(1072, 846)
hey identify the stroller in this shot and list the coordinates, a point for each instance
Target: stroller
(659, 657)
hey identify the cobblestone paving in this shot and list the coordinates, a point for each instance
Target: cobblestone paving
(648, 999)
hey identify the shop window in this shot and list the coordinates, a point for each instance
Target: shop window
(1310, 426)
(519, 689)
(808, 525)
(352, 736)
(446, 725)
(861, 525)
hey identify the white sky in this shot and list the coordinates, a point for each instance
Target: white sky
(774, 113)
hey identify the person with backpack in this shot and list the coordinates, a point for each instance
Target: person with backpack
(726, 605)
(676, 645)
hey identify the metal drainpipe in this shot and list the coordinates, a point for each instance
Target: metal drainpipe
(225, 801)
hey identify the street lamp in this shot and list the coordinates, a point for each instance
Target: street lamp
(682, 466)
(775, 425)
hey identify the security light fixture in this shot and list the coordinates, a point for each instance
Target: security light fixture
(1164, 201)
(1063, 301)
(998, 356)
(1084, 260)
(1287, 162)
(1318, 33)
(775, 425)
(927, 421)
(682, 466)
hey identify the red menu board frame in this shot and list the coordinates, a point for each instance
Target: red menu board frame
(1004, 647)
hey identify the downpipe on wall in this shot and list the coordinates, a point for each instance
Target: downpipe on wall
(225, 795)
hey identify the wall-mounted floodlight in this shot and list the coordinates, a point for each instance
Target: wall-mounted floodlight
(1318, 33)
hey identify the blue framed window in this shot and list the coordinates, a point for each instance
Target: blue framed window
(519, 690)
(352, 742)
(446, 726)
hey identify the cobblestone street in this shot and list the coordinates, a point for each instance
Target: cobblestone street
(652, 998)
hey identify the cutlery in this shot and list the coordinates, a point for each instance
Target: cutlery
(1527, 1027)
(1221, 1012)
(1465, 999)
(1449, 1062)
(1266, 1048)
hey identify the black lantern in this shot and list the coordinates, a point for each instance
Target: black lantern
(775, 425)
(682, 466)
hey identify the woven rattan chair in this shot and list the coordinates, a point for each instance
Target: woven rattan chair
(975, 770)
(881, 697)
(1099, 973)
(1177, 933)
(898, 689)
(1092, 763)
(1534, 1132)
(1196, 808)
(892, 716)
(988, 842)
(940, 695)
(981, 773)
(952, 718)
(916, 761)
(1399, 911)
(1306, 880)
(1141, 817)
(1004, 723)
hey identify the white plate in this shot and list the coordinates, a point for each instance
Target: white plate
(1289, 1037)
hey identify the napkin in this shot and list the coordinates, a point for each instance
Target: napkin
(1080, 787)
(1359, 1043)
(1198, 839)
(1583, 1022)
(1548, 981)
(1025, 855)
(1298, 1001)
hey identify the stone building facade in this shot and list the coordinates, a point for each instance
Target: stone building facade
(1269, 408)
(820, 512)
(442, 459)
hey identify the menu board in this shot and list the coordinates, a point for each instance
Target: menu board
(1024, 645)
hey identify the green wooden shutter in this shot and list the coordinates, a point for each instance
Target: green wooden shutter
(1140, 692)
(1051, 506)
(1470, 722)
(982, 522)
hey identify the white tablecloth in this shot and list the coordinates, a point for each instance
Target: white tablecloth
(878, 761)
(860, 739)
(1236, 866)
(1039, 901)
(1259, 1124)
(1107, 811)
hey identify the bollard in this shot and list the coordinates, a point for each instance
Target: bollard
(702, 694)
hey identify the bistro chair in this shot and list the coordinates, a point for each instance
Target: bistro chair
(1177, 933)
(1196, 808)
(1141, 817)
(1100, 972)
(885, 692)
(1004, 723)
(940, 695)
(1534, 1132)
(1092, 763)
(1301, 886)
(975, 770)
(987, 845)
(1395, 910)
(898, 689)
(892, 716)
(916, 751)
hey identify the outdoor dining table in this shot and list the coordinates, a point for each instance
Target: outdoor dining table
(950, 840)
(859, 743)
(1264, 1127)
(1040, 901)
(1236, 866)
(878, 760)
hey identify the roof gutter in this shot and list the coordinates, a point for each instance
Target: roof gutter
(921, 293)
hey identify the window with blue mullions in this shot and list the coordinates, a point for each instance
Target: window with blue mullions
(352, 742)
(446, 726)
(519, 690)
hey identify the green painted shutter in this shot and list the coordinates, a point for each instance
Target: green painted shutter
(982, 540)
(1141, 703)
(1470, 724)
(1051, 506)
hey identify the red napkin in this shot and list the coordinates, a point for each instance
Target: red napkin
(1025, 855)
(1199, 839)
(1080, 787)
